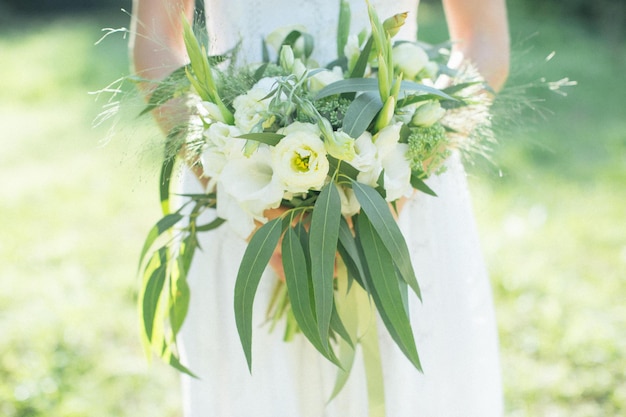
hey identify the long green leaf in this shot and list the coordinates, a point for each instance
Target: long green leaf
(343, 27)
(379, 214)
(413, 86)
(419, 184)
(350, 253)
(323, 246)
(385, 289)
(180, 293)
(253, 263)
(268, 138)
(349, 85)
(298, 288)
(336, 325)
(361, 64)
(165, 178)
(152, 291)
(361, 113)
(157, 230)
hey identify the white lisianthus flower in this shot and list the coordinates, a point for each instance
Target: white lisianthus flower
(250, 109)
(222, 145)
(392, 158)
(324, 78)
(246, 188)
(410, 59)
(397, 177)
(340, 146)
(349, 203)
(387, 139)
(428, 114)
(299, 159)
(366, 160)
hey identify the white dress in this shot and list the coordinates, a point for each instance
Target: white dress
(454, 326)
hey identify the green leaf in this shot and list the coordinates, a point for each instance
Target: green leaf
(167, 168)
(253, 263)
(211, 225)
(419, 184)
(157, 230)
(350, 253)
(413, 86)
(343, 27)
(298, 288)
(379, 214)
(268, 138)
(180, 293)
(345, 169)
(323, 246)
(361, 113)
(349, 85)
(361, 64)
(461, 86)
(152, 290)
(385, 289)
(337, 326)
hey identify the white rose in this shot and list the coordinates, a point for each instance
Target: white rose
(324, 78)
(299, 160)
(428, 114)
(246, 188)
(410, 59)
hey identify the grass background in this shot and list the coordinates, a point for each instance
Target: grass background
(76, 204)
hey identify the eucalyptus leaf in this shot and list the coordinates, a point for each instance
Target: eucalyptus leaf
(385, 289)
(253, 263)
(298, 288)
(268, 138)
(152, 291)
(350, 253)
(343, 27)
(379, 214)
(361, 64)
(361, 113)
(323, 246)
(337, 326)
(179, 292)
(157, 230)
(419, 184)
(214, 224)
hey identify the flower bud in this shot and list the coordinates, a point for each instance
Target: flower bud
(341, 146)
(409, 59)
(428, 114)
(286, 57)
(393, 24)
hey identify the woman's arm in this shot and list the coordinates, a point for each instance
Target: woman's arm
(156, 37)
(480, 31)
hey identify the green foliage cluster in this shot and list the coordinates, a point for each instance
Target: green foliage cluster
(425, 144)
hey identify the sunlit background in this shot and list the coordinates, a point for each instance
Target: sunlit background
(77, 201)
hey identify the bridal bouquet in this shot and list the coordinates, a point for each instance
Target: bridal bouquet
(335, 147)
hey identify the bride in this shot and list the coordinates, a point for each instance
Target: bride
(454, 327)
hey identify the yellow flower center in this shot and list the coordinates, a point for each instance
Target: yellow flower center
(301, 162)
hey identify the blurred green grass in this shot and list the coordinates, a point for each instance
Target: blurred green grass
(77, 203)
